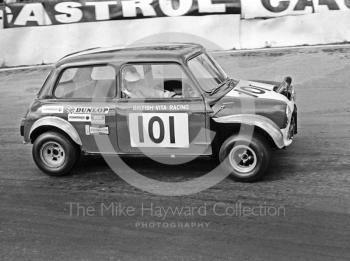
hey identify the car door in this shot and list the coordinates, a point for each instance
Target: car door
(160, 112)
(86, 95)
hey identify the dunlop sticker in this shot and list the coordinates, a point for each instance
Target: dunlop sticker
(87, 110)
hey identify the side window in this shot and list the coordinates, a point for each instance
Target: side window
(87, 82)
(156, 81)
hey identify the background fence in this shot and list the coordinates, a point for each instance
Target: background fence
(38, 32)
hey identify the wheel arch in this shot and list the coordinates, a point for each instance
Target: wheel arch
(228, 125)
(52, 123)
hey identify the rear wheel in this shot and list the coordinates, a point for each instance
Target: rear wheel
(246, 158)
(54, 153)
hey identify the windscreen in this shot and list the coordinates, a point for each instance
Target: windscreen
(207, 71)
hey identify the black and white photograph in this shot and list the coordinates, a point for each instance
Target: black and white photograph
(175, 130)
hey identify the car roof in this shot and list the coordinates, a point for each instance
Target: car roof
(144, 53)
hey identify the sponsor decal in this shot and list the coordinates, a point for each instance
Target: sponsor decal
(66, 12)
(79, 117)
(252, 90)
(51, 109)
(161, 107)
(98, 119)
(90, 130)
(69, 109)
(167, 130)
(87, 129)
(255, 90)
(85, 110)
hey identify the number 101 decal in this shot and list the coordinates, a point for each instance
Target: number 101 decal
(166, 130)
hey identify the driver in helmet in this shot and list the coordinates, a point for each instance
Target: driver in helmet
(134, 87)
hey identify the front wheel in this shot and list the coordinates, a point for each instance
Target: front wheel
(54, 153)
(246, 158)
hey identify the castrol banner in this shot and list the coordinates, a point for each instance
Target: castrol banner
(276, 8)
(68, 12)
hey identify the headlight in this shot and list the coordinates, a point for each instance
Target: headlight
(292, 93)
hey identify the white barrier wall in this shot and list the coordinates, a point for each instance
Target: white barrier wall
(47, 44)
(311, 29)
(262, 23)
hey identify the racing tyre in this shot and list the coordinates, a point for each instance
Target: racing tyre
(55, 154)
(246, 158)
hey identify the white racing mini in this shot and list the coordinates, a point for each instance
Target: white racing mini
(169, 100)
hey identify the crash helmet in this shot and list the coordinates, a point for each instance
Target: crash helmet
(131, 74)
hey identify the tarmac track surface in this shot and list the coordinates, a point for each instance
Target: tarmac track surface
(309, 183)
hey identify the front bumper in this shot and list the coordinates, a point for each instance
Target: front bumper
(291, 129)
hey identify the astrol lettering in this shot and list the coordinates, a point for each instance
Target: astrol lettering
(64, 12)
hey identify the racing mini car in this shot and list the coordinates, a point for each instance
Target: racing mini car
(169, 100)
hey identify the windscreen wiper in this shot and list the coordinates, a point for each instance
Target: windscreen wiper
(218, 88)
(231, 81)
